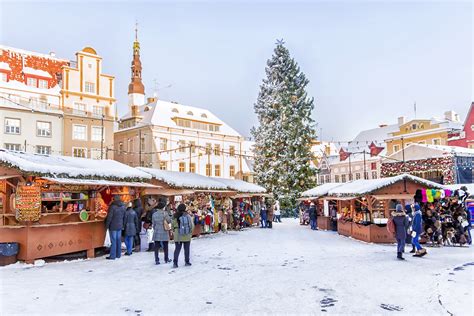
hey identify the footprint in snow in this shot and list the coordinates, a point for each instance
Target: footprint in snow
(327, 302)
(458, 269)
(391, 308)
(468, 264)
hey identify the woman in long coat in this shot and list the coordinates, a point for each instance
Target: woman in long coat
(161, 236)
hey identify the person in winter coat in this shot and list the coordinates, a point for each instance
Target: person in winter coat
(131, 226)
(277, 212)
(417, 228)
(263, 216)
(313, 217)
(269, 216)
(152, 203)
(223, 220)
(114, 223)
(137, 206)
(183, 226)
(409, 239)
(400, 220)
(161, 236)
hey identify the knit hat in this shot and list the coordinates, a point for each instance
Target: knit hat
(181, 208)
(161, 205)
(399, 208)
(417, 207)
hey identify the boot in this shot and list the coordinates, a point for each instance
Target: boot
(422, 252)
(413, 250)
(399, 256)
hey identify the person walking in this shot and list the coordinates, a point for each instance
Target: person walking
(137, 206)
(148, 225)
(263, 216)
(312, 216)
(417, 227)
(269, 216)
(114, 223)
(161, 223)
(400, 220)
(131, 226)
(277, 212)
(224, 220)
(409, 239)
(183, 226)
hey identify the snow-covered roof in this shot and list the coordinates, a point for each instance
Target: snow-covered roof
(362, 186)
(423, 151)
(162, 113)
(241, 186)
(5, 66)
(27, 52)
(320, 190)
(36, 72)
(68, 167)
(185, 180)
(248, 147)
(100, 182)
(17, 85)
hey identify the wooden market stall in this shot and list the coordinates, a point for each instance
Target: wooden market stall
(364, 206)
(54, 205)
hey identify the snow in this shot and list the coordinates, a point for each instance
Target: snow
(27, 52)
(320, 190)
(99, 182)
(17, 85)
(289, 269)
(5, 66)
(469, 186)
(241, 186)
(64, 166)
(362, 186)
(36, 72)
(422, 151)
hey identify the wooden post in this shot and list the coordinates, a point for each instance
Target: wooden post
(91, 253)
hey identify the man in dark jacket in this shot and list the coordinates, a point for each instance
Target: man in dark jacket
(114, 223)
(131, 227)
(313, 216)
(139, 210)
(400, 220)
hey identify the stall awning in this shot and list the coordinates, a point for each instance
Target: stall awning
(401, 196)
(339, 198)
(100, 182)
(166, 192)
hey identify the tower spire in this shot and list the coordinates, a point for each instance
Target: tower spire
(136, 89)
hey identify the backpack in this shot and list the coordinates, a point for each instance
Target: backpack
(184, 225)
(391, 226)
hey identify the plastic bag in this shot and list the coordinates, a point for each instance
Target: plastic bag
(149, 234)
(107, 242)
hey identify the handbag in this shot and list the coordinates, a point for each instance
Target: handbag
(166, 226)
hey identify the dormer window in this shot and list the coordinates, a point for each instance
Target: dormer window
(190, 113)
(203, 115)
(175, 110)
(413, 126)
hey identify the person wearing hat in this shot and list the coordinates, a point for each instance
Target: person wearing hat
(313, 217)
(183, 226)
(400, 220)
(131, 226)
(417, 228)
(114, 223)
(161, 222)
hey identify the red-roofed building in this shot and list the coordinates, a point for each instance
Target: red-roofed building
(466, 137)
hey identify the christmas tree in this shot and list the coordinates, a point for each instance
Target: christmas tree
(286, 129)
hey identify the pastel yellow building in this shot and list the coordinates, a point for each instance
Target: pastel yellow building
(423, 131)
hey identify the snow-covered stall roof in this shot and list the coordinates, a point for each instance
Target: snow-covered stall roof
(68, 167)
(184, 179)
(362, 186)
(320, 190)
(241, 186)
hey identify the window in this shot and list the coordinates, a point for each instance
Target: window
(182, 145)
(120, 148)
(208, 170)
(422, 142)
(366, 175)
(182, 167)
(192, 167)
(350, 176)
(436, 141)
(357, 176)
(43, 129)
(175, 110)
(163, 144)
(163, 165)
(190, 113)
(321, 179)
(79, 132)
(231, 171)
(79, 108)
(13, 147)
(12, 126)
(217, 170)
(79, 152)
(203, 115)
(90, 87)
(413, 126)
(374, 174)
(97, 111)
(96, 134)
(472, 128)
(32, 82)
(396, 148)
(3, 77)
(192, 147)
(328, 178)
(95, 153)
(142, 144)
(343, 178)
(217, 150)
(336, 178)
(373, 166)
(43, 84)
(208, 148)
(232, 151)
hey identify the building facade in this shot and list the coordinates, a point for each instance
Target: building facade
(88, 103)
(465, 138)
(171, 136)
(31, 118)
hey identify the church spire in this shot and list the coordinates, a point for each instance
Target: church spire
(136, 86)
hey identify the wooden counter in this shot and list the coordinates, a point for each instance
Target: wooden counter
(324, 223)
(361, 232)
(344, 228)
(380, 234)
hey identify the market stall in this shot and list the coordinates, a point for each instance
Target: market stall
(54, 205)
(364, 206)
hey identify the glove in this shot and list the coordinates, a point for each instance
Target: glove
(413, 234)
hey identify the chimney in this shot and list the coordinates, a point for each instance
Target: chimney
(134, 110)
(382, 125)
(401, 120)
(451, 116)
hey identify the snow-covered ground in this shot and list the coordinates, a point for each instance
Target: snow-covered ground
(289, 269)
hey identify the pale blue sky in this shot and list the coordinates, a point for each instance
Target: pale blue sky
(367, 62)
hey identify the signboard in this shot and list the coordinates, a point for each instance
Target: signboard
(470, 208)
(28, 202)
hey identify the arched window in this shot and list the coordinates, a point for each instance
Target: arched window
(190, 113)
(203, 115)
(175, 110)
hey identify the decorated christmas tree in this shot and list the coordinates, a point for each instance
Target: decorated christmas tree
(286, 129)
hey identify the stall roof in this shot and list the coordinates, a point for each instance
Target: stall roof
(100, 182)
(320, 190)
(241, 186)
(361, 187)
(184, 179)
(68, 167)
